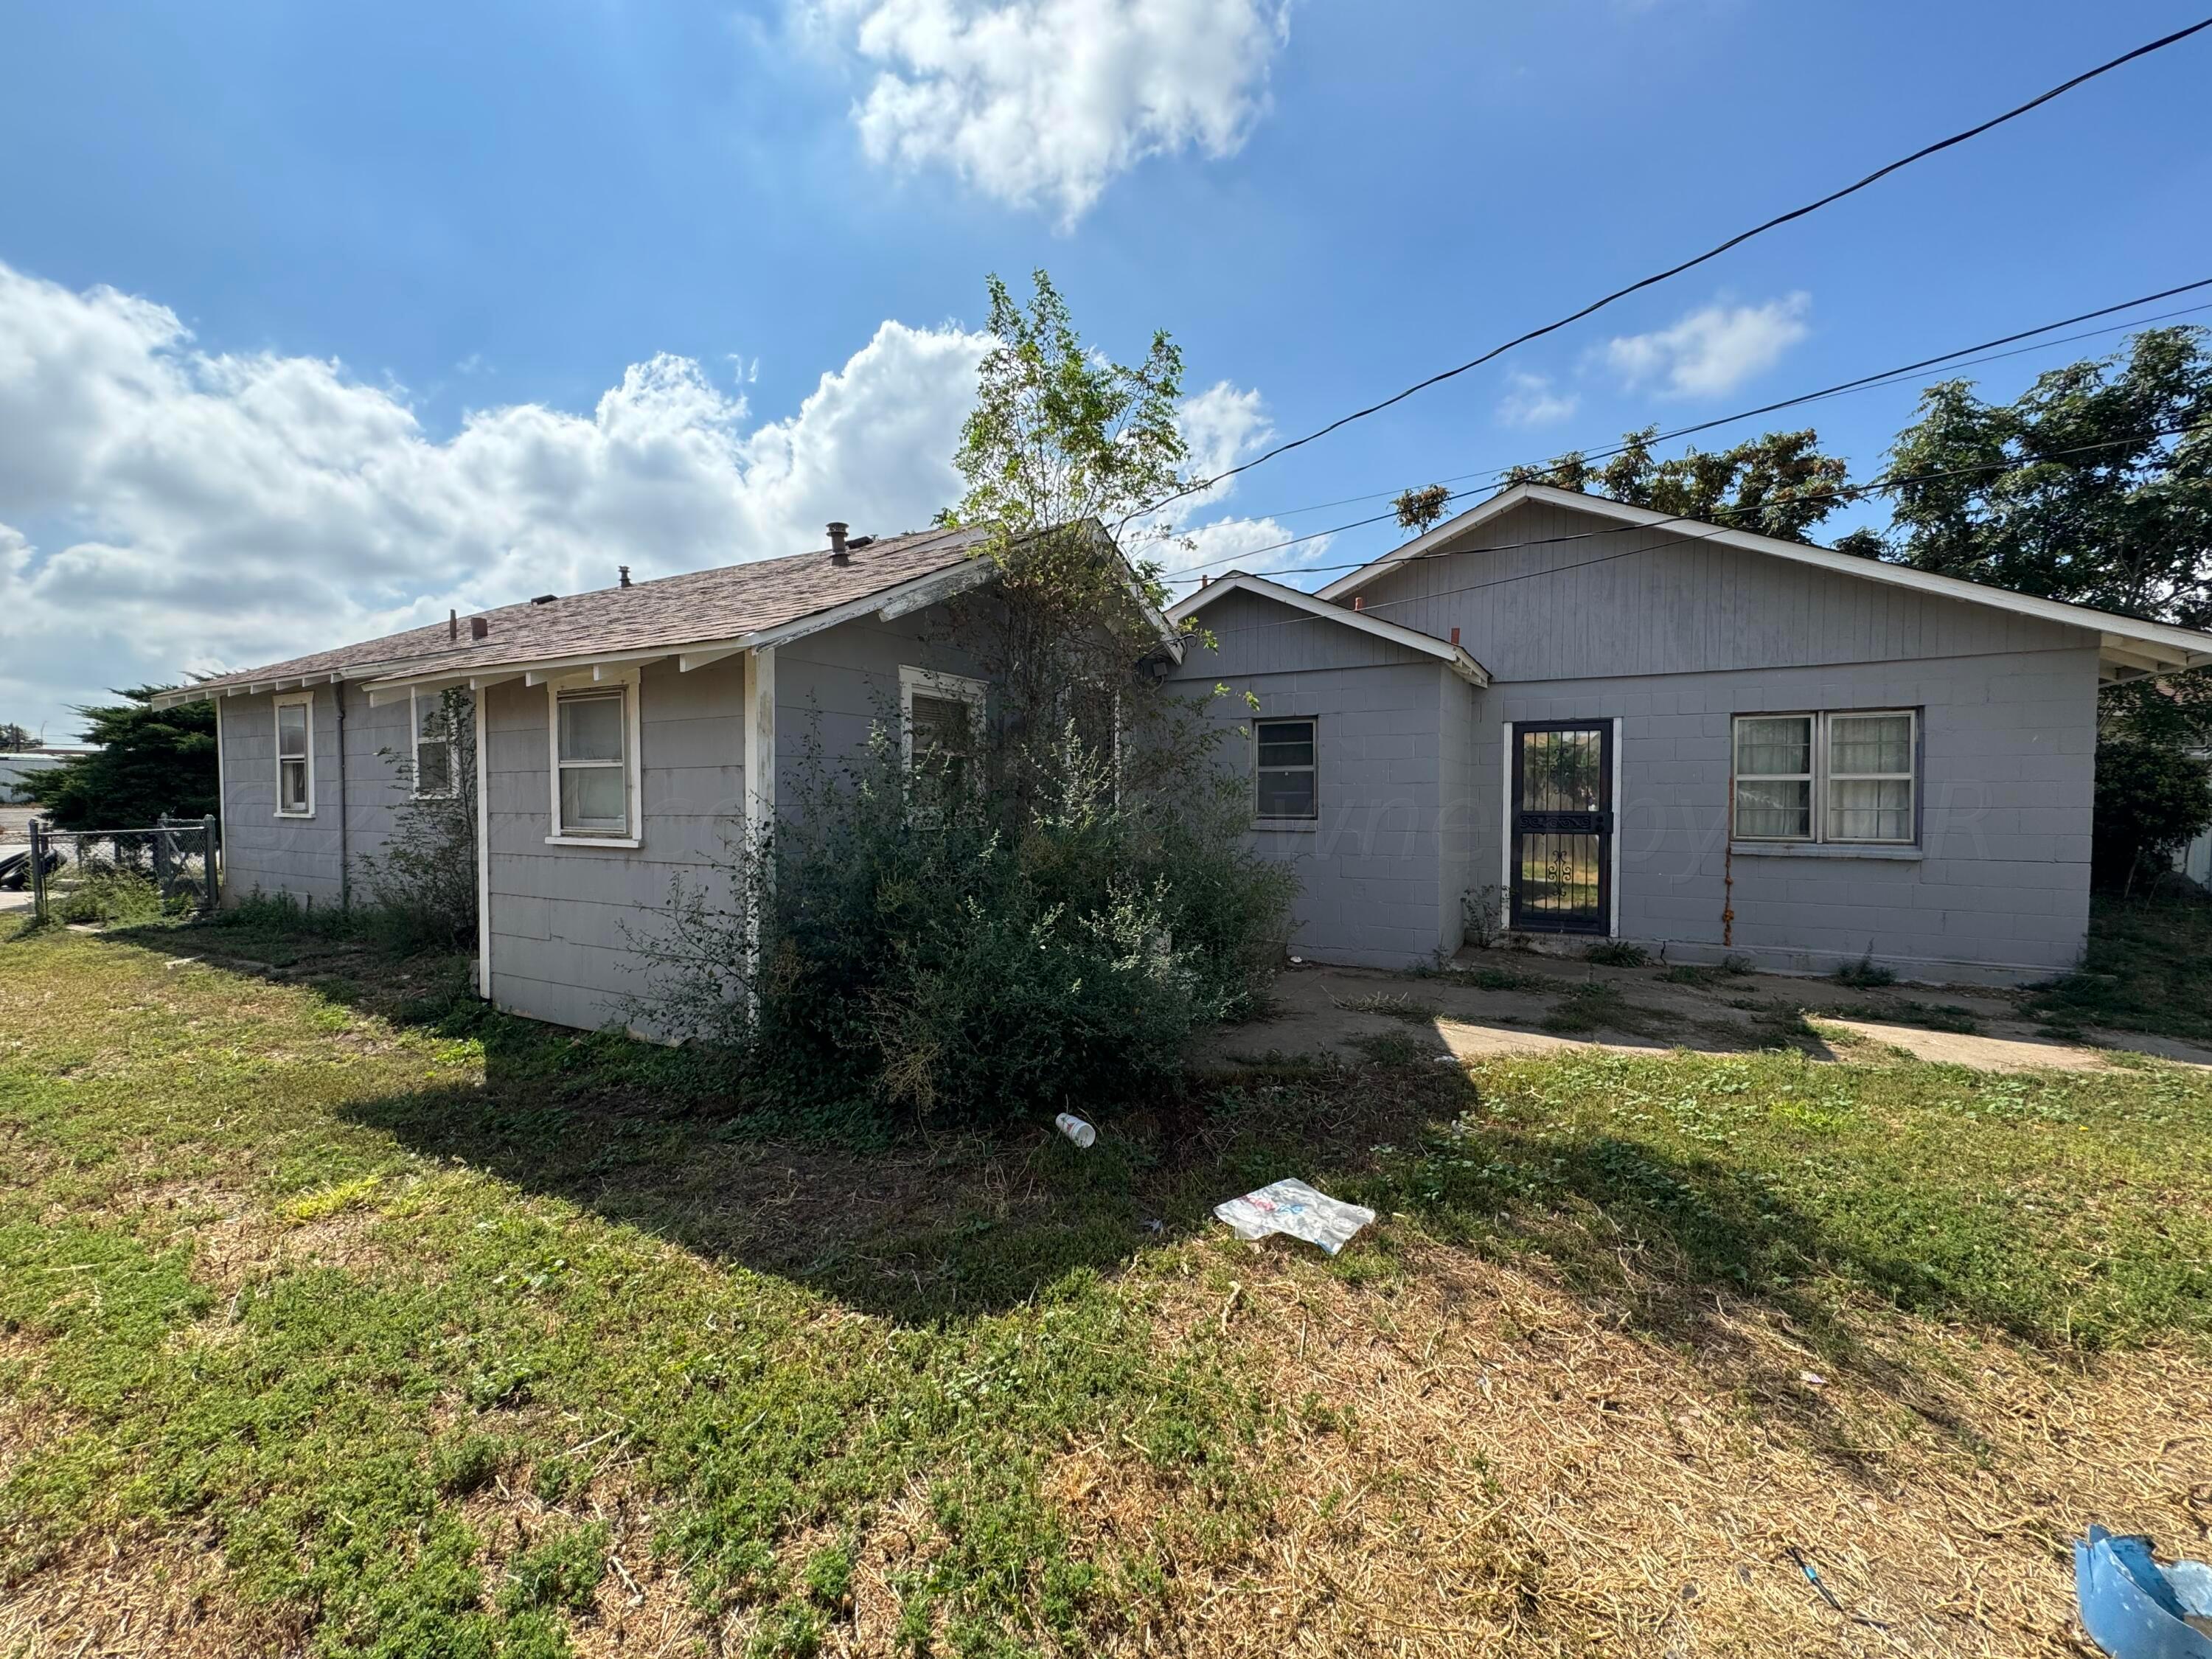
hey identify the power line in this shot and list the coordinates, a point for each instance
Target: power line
(1861, 383)
(1713, 252)
(1890, 482)
(1959, 359)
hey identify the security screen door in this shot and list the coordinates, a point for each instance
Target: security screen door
(1562, 873)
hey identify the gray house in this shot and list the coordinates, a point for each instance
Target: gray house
(1554, 715)
(619, 736)
(1575, 720)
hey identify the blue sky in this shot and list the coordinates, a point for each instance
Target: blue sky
(317, 321)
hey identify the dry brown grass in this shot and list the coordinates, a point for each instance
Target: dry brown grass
(1478, 1462)
(117, 1598)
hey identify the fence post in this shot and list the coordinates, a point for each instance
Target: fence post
(162, 855)
(207, 863)
(37, 872)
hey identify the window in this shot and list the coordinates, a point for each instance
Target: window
(595, 762)
(434, 744)
(1870, 777)
(295, 757)
(943, 713)
(1285, 778)
(1834, 777)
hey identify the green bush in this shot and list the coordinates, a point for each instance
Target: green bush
(967, 953)
(2152, 800)
(104, 893)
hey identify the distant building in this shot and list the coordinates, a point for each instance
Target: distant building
(16, 770)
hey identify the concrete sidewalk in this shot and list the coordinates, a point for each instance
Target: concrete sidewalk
(1510, 1002)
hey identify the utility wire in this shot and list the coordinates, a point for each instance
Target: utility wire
(1869, 383)
(1713, 252)
(1861, 383)
(1706, 533)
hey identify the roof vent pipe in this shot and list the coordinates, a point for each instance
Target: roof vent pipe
(479, 627)
(453, 624)
(837, 553)
(1358, 602)
(624, 571)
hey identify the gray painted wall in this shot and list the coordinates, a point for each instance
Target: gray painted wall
(1576, 600)
(266, 853)
(1391, 732)
(559, 950)
(1672, 642)
(563, 917)
(1998, 887)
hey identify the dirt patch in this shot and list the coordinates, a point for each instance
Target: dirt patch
(1476, 1463)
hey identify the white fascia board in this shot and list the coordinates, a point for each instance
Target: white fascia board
(2189, 649)
(1413, 639)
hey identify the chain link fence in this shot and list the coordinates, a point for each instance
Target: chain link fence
(171, 869)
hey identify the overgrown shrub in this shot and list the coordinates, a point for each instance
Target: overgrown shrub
(2152, 800)
(107, 893)
(932, 946)
(422, 884)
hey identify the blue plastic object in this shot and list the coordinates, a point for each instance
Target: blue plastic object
(2134, 1608)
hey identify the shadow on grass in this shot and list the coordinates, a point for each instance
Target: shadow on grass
(922, 1228)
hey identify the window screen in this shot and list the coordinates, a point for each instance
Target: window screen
(1848, 777)
(1286, 775)
(294, 759)
(940, 725)
(593, 764)
(434, 745)
(1774, 777)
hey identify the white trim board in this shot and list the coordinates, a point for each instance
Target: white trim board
(2121, 639)
(625, 681)
(1298, 599)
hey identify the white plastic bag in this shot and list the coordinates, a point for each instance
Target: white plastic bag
(1296, 1209)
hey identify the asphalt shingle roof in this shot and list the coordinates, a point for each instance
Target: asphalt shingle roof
(723, 604)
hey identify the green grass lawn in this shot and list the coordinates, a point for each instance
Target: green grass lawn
(410, 1324)
(2148, 968)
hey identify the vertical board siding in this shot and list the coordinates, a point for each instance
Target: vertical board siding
(1547, 593)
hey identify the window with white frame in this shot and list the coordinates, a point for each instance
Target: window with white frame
(296, 757)
(435, 713)
(941, 716)
(595, 760)
(1850, 777)
(1286, 775)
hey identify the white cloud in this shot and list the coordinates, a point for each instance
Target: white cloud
(1531, 400)
(164, 507)
(1047, 101)
(1222, 426)
(1712, 351)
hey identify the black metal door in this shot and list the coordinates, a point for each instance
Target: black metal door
(1562, 853)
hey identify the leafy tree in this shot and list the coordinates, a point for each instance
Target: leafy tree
(1419, 509)
(2092, 487)
(1062, 440)
(2152, 801)
(1779, 484)
(16, 738)
(423, 878)
(148, 762)
(1039, 920)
